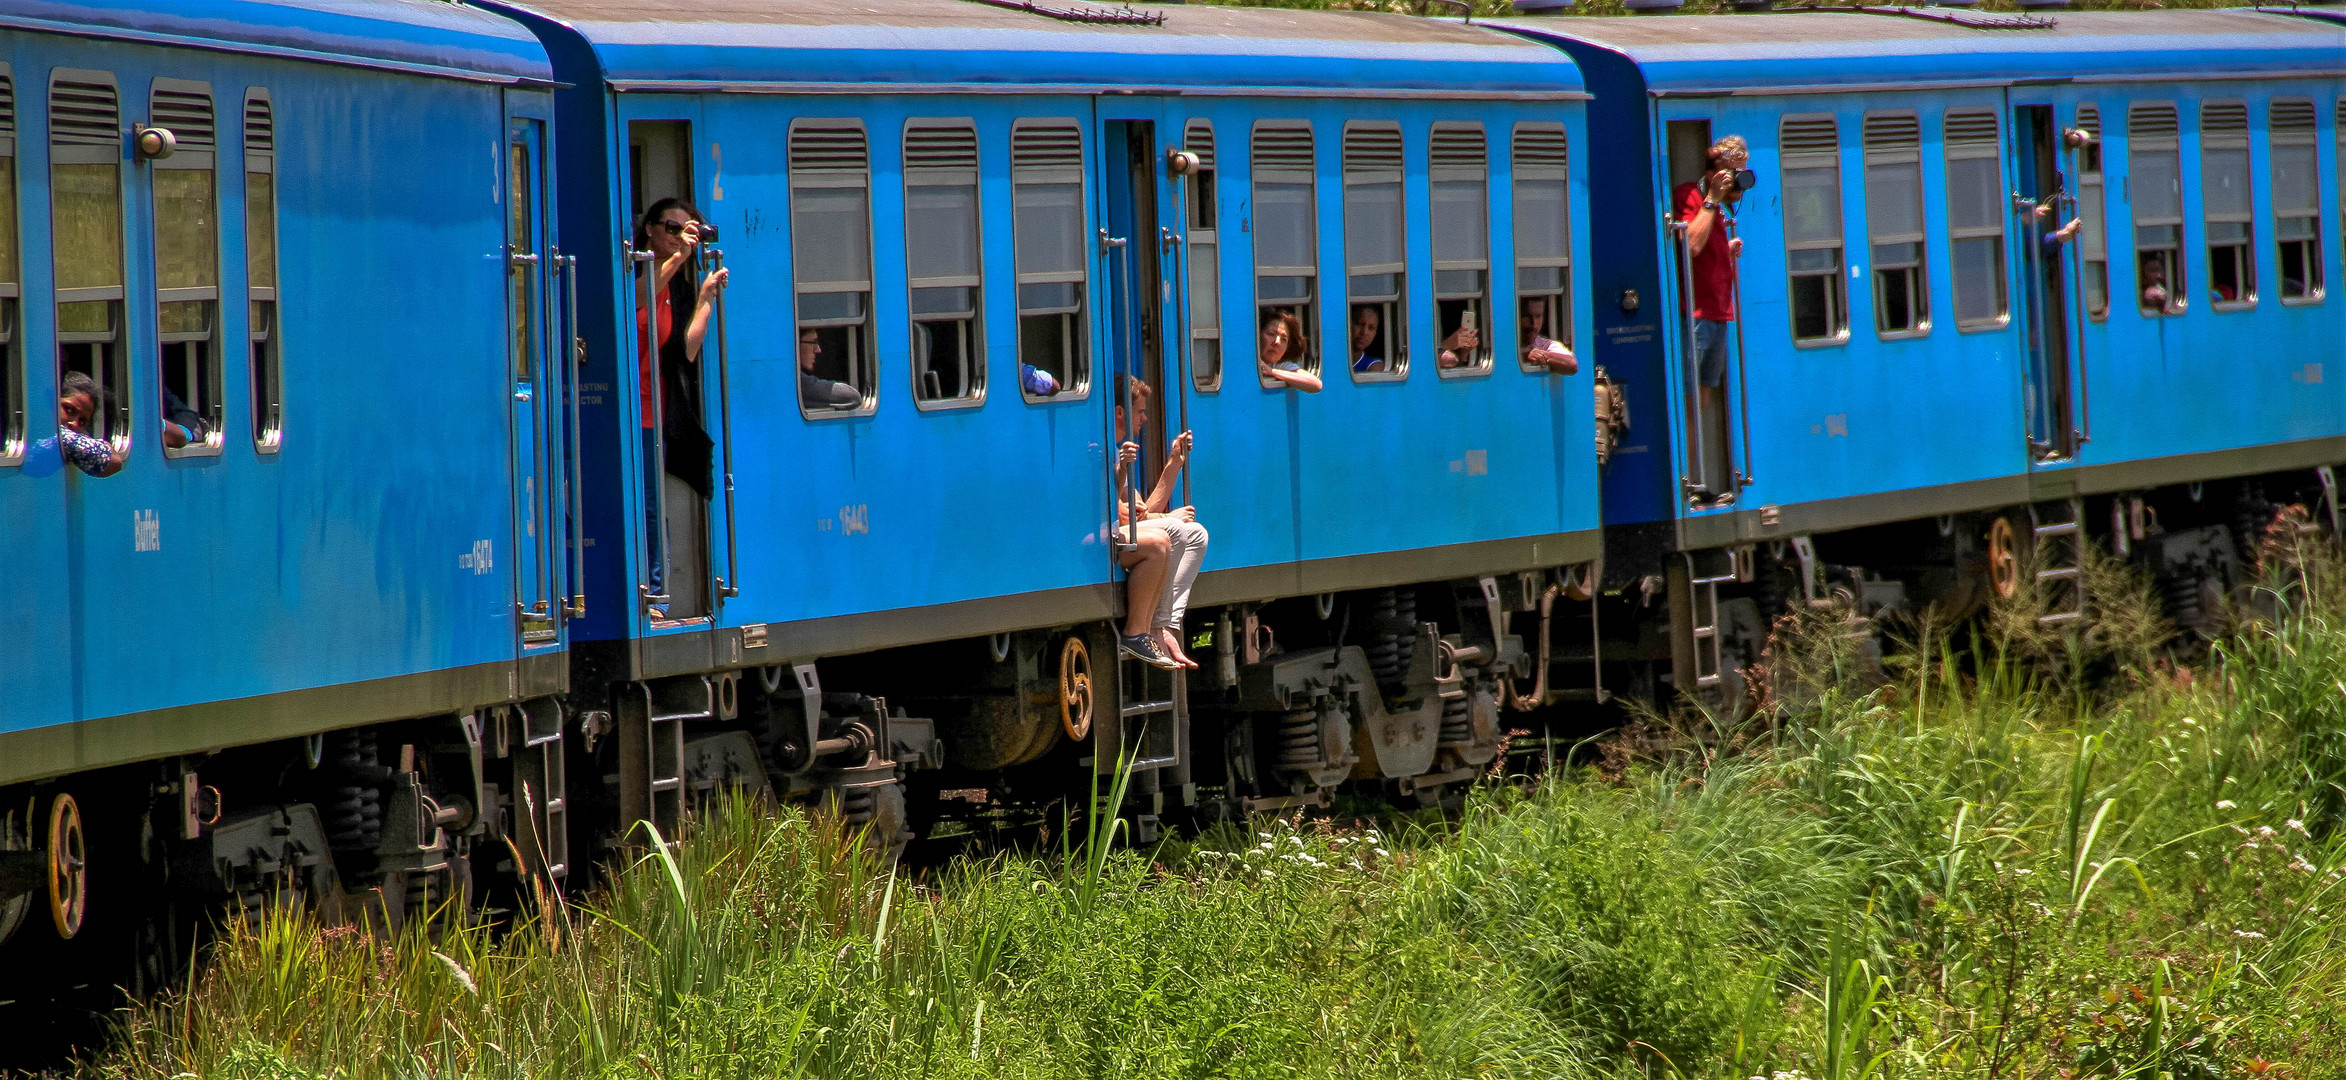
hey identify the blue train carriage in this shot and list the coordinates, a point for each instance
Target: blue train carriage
(969, 245)
(294, 632)
(1935, 390)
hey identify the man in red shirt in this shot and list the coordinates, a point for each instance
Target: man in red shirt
(1700, 206)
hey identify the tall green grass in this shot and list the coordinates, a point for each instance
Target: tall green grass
(1979, 864)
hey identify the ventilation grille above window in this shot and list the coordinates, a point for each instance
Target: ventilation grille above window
(2224, 123)
(260, 131)
(1198, 139)
(7, 106)
(1458, 147)
(1282, 148)
(2089, 120)
(1973, 129)
(187, 115)
(1369, 149)
(1047, 146)
(1542, 147)
(1809, 135)
(1893, 131)
(940, 148)
(828, 148)
(2151, 122)
(2293, 117)
(84, 114)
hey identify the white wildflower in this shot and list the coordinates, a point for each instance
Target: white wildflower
(2250, 934)
(2297, 826)
(2301, 866)
(2266, 831)
(2226, 804)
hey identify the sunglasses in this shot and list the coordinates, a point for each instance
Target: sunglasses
(675, 228)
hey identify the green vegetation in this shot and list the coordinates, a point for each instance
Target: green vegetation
(2037, 855)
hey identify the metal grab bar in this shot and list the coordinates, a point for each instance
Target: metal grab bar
(1176, 246)
(725, 588)
(574, 355)
(1130, 495)
(656, 541)
(2032, 262)
(1690, 441)
(1742, 479)
(2077, 341)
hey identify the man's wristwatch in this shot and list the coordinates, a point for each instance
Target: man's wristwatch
(1711, 205)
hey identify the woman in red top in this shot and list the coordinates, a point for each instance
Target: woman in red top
(671, 231)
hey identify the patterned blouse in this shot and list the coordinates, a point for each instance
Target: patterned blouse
(88, 453)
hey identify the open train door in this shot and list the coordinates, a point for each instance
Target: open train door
(1145, 300)
(2044, 199)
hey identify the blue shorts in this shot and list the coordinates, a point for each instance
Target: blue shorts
(1710, 352)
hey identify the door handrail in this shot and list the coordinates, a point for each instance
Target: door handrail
(1176, 245)
(1690, 437)
(573, 354)
(725, 588)
(1738, 480)
(1122, 290)
(2077, 340)
(657, 538)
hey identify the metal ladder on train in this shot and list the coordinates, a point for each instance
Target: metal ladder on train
(1703, 597)
(651, 748)
(2060, 557)
(1152, 712)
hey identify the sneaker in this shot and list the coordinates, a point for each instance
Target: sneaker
(1140, 648)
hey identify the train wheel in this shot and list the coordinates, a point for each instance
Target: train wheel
(1075, 689)
(2003, 558)
(67, 858)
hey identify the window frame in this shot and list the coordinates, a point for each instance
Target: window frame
(1078, 321)
(267, 362)
(977, 360)
(115, 372)
(1310, 306)
(1393, 306)
(2093, 211)
(1203, 191)
(1999, 234)
(2229, 142)
(2138, 147)
(869, 360)
(211, 410)
(2308, 138)
(1837, 279)
(1486, 347)
(1559, 300)
(13, 414)
(1897, 149)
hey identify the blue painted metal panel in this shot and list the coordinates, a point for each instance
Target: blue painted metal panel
(417, 33)
(900, 508)
(372, 545)
(2209, 379)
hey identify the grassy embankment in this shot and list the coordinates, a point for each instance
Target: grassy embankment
(2064, 859)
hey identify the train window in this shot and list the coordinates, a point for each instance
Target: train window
(1893, 216)
(1811, 149)
(1373, 252)
(187, 267)
(831, 259)
(941, 262)
(1459, 175)
(85, 206)
(2093, 239)
(2297, 198)
(1975, 218)
(1046, 188)
(2228, 207)
(11, 286)
(260, 271)
(2154, 183)
(1205, 261)
(1543, 238)
(1286, 234)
